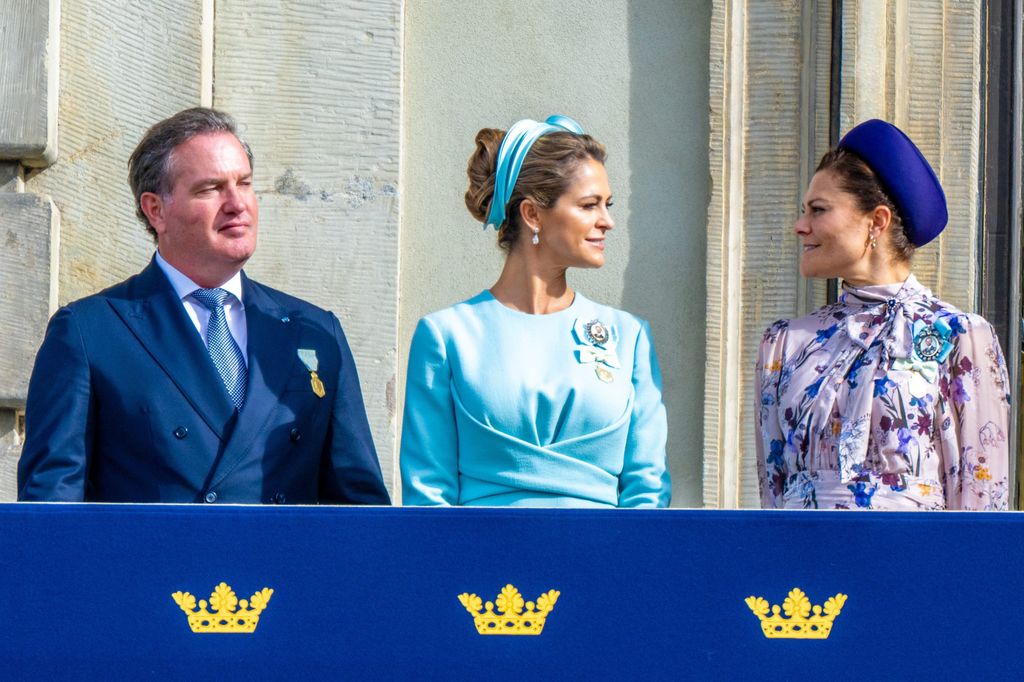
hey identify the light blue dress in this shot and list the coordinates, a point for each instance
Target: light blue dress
(504, 408)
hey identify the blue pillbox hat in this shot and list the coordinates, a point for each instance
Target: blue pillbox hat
(905, 175)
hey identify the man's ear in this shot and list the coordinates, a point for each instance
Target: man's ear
(152, 206)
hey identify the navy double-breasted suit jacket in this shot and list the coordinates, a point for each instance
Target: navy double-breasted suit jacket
(125, 405)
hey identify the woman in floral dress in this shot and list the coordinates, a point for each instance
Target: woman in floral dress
(889, 398)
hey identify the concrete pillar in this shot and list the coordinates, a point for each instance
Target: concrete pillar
(29, 54)
(29, 241)
(29, 51)
(12, 429)
(28, 295)
(769, 124)
(919, 65)
(12, 177)
(916, 64)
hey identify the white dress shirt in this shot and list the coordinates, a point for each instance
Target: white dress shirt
(234, 308)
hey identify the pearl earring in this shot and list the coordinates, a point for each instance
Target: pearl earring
(874, 242)
(536, 237)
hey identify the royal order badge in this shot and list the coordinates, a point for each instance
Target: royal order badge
(928, 344)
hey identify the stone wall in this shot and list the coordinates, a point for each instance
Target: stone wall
(316, 87)
(635, 75)
(917, 64)
(714, 114)
(29, 219)
(769, 124)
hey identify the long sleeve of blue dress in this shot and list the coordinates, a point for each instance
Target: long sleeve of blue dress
(644, 481)
(429, 444)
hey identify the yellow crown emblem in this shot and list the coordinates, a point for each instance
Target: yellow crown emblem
(226, 616)
(798, 624)
(511, 619)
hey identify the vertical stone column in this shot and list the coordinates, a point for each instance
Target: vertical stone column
(29, 47)
(10, 446)
(919, 65)
(769, 123)
(102, 114)
(916, 64)
(29, 241)
(29, 50)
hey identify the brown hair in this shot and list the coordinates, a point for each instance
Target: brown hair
(150, 166)
(547, 172)
(857, 179)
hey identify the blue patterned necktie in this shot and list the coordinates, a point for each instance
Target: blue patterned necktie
(226, 355)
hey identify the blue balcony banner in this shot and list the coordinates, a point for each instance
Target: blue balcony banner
(184, 592)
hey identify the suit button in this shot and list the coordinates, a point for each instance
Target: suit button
(211, 497)
(180, 432)
(295, 435)
(279, 498)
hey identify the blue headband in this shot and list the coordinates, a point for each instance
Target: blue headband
(518, 140)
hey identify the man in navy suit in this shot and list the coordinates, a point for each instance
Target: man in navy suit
(190, 382)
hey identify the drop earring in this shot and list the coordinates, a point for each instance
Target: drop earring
(874, 242)
(536, 237)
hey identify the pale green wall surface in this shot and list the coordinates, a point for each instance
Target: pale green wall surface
(635, 75)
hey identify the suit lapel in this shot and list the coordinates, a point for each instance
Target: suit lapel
(272, 343)
(157, 318)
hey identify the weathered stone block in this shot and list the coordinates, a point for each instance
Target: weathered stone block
(10, 451)
(29, 59)
(28, 286)
(123, 67)
(316, 87)
(12, 177)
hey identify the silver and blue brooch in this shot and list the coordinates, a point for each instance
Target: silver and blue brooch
(597, 345)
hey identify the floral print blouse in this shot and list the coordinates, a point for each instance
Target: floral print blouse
(887, 399)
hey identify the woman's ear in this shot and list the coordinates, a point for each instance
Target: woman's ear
(529, 213)
(881, 219)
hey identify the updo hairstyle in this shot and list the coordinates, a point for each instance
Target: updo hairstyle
(547, 172)
(857, 179)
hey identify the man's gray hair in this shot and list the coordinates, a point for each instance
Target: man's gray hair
(149, 167)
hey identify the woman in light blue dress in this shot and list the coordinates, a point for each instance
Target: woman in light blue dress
(530, 394)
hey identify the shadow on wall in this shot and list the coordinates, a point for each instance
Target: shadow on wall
(669, 190)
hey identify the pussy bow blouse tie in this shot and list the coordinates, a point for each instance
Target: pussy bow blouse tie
(871, 316)
(879, 328)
